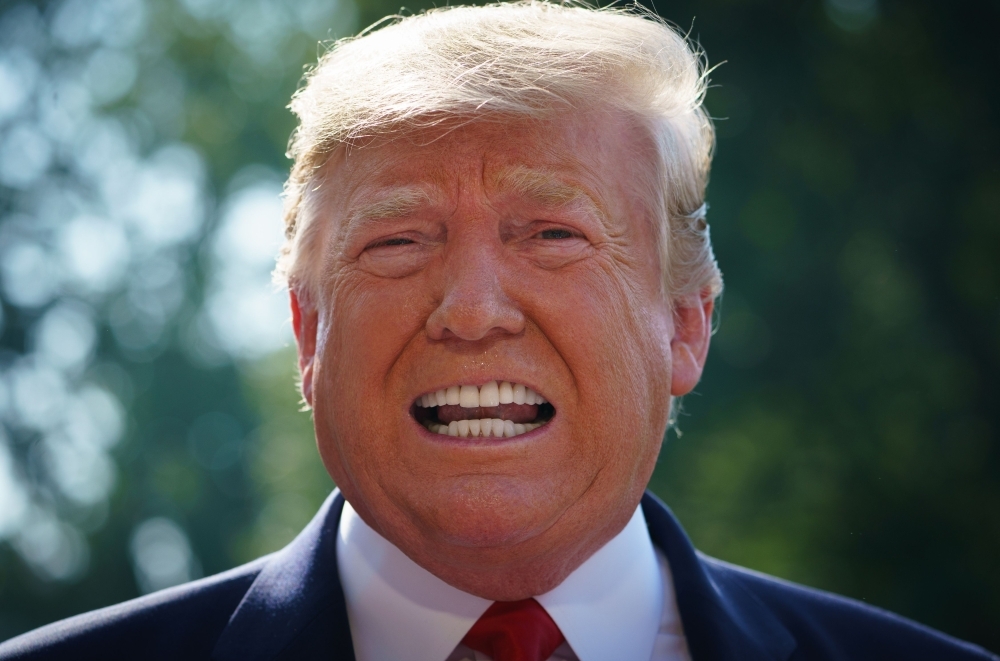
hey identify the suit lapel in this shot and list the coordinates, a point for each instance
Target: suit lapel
(721, 619)
(295, 608)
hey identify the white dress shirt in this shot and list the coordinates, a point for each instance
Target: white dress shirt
(619, 605)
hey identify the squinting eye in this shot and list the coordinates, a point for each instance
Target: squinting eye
(398, 241)
(555, 234)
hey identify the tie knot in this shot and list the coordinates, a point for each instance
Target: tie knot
(515, 631)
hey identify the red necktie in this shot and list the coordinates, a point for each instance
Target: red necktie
(515, 631)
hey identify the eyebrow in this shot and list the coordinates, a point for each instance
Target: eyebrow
(395, 203)
(545, 189)
(537, 186)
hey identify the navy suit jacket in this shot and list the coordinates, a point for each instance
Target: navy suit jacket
(290, 605)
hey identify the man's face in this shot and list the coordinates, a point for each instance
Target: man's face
(496, 252)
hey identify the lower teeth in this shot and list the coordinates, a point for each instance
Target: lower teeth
(487, 427)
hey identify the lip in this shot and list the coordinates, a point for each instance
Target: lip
(419, 415)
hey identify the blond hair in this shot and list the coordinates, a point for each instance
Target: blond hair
(519, 59)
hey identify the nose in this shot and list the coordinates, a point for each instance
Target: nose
(474, 303)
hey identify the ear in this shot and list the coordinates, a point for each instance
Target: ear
(304, 323)
(689, 346)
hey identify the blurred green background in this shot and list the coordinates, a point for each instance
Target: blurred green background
(845, 433)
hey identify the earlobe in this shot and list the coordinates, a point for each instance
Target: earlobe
(689, 346)
(305, 321)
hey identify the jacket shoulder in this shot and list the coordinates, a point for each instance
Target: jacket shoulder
(182, 622)
(829, 626)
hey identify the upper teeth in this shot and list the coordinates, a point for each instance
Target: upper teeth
(489, 394)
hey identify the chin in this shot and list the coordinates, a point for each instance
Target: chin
(490, 511)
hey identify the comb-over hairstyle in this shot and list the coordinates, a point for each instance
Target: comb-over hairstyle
(509, 61)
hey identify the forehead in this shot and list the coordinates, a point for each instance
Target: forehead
(552, 161)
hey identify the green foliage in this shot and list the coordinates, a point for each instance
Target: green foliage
(285, 466)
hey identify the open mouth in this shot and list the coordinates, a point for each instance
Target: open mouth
(495, 409)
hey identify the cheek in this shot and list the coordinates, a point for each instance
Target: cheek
(612, 334)
(366, 325)
(369, 323)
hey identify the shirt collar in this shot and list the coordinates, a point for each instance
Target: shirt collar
(609, 607)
